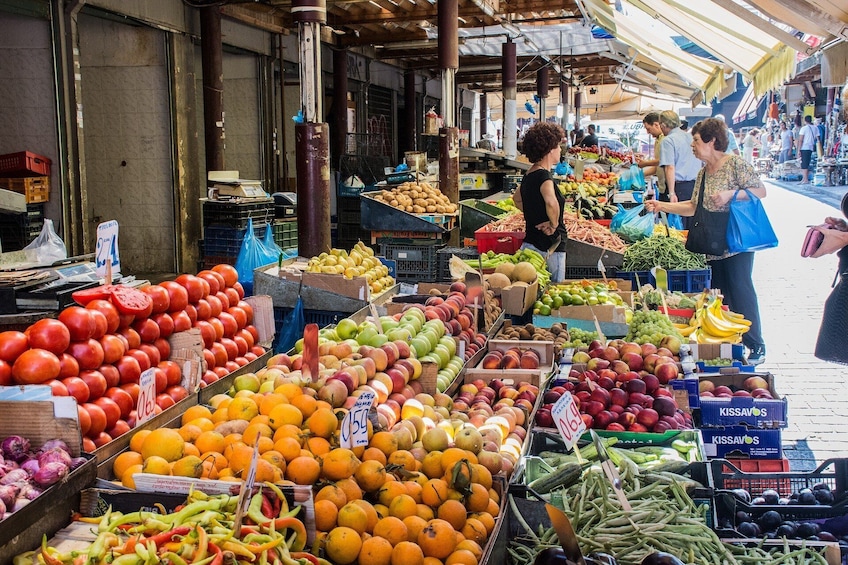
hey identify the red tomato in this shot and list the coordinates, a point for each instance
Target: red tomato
(241, 361)
(204, 311)
(250, 356)
(172, 372)
(5, 374)
(89, 353)
(164, 401)
(177, 393)
(207, 332)
(132, 389)
(122, 399)
(68, 366)
(246, 336)
(49, 334)
(133, 339)
(218, 326)
(165, 323)
(113, 348)
(241, 344)
(141, 357)
(125, 320)
(191, 312)
(12, 344)
(96, 383)
(228, 272)
(152, 353)
(120, 428)
(215, 280)
(207, 288)
(220, 353)
(129, 369)
(130, 300)
(240, 316)
(233, 296)
(80, 322)
(164, 347)
(161, 380)
(209, 377)
(254, 332)
(193, 286)
(147, 329)
(88, 295)
(102, 439)
(248, 309)
(215, 306)
(84, 419)
(258, 350)
(230, 324)
(77, 388)
(209, 358)
(100, 323)
(224, 298)
(35, 366)
(239, 289)
(221, 371)
(107, 309)
(112, 410)
(181, 321)
(113, 376)
(98, 419)
(177, 294)
(232, 366)
(57, 388)
(231, 347)
(159, 295)
(88, 445)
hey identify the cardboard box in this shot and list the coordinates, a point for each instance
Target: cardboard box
(545, 349)
(516, 300)
(704, 351)
(741, 441)
(741, 410)
(510, 376)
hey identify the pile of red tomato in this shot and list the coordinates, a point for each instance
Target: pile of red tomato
(96, 352)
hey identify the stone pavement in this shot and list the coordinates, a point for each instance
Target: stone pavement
(792, 291)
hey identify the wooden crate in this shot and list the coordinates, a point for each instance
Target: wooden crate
(36, 189)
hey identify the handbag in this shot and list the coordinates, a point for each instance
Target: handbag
(823, 240)
(708, 230)
(748, 228)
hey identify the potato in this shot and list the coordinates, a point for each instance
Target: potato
(231, 427)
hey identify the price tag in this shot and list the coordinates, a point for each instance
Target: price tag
(568, 420)
(354, 431)
(246, 489)
(106, 251)
(146, 396)
(376, 317)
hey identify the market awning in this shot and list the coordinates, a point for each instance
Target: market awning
(816, 17)
(633, 108)
(747, 107)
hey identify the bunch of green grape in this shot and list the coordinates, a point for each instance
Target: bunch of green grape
(580, 338)
(650, 326)
(720, 362)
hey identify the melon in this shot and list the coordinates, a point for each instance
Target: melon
(505, 269)
(524, 272)
(497, 280)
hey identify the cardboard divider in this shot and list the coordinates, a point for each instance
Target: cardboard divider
(545, 349)
(429, 372)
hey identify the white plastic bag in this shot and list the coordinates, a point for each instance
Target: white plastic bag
(48, 246)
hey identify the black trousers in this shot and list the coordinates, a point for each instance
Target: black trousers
(733, 277)
(683, 190)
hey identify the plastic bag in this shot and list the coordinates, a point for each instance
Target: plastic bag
(48, 246)
(632, 226)
(631, 179)
(749, 228)
(563, 169)
(624, 215)
(292, 328)
(253, 254)
(270, 244)
(675, 222)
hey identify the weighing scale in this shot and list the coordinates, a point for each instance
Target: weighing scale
(228, 185)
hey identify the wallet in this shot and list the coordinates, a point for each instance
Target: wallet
(812, 241)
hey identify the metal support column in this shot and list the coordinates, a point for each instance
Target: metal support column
(565, 102)
(213, 86)
(484, 115)
(578, 100)
(542, 81)
(411, 114)
(339, 103)
(312, 143)
(510, 117)
(448, 19)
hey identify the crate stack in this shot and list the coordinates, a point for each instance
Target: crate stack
(444, 255)
(225, 225)
(26, 173)
(285, 224)
(368, 170)
(415, 259)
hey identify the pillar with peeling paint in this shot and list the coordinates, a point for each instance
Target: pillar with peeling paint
(211, 52)
(448, 18)
(510, 117)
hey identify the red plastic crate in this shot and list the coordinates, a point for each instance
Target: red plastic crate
(499, 241)
(605, 223)
(24, 164)
(765, 466)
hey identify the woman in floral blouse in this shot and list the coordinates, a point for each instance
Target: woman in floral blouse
(722, 175)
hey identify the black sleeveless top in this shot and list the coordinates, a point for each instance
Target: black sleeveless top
(535, 213)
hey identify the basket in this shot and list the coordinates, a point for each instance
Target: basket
(36, 189)
(444, 255)
(833, 473)
(226, 242)
(18, 230)
(682, 280)
(236, 214)
(24, 164)
(415, 263)
(586, 272)
(499, 242)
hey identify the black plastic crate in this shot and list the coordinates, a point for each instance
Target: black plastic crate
(415, 262)
(19, 229)
(323, 318)
(587, 272)
(226, 241)
(210, 261)
(348, 211)
(443, 255)
(236, 214)
(285, 233)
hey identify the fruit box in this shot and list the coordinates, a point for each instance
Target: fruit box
(545, 349)
(516, 300)
(739, 441)
(545, 439)
(709, 351)
(742, 410)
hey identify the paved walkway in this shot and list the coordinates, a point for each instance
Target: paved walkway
(792, 291)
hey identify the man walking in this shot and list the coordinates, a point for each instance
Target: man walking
(806, 145)
(676, 158)
(786, 143)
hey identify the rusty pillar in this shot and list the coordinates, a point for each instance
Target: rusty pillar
(338, 146)
(510, 118)
(213, 86)
(448, 20)
(542, 80)
(449, 169)
(565, 102)
(484, 115)
(312, 166)
(409, 117)
(578, 100)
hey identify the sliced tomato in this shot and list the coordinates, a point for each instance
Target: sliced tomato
(87, 295)
(129, 300)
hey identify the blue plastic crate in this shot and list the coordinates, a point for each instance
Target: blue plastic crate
(684, 280)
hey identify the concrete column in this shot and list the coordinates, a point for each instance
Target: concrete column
(412, 111)
(213, 87)
(510, 118)
(340, 103)
(542, 81)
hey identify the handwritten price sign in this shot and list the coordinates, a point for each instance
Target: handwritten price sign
(106, 250)
(354, 432)
(146, 396)
(568, 420)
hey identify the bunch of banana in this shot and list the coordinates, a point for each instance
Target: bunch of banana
(712, 324)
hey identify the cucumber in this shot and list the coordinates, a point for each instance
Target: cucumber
(564, 476)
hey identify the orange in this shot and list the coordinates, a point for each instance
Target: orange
(461, 557)
(164, 442)
(493, 509)
(434, 492)
(453, 454)
(475, 530)
(230, 439)
(325, 515)
(191, 449)
(322, 423)
(370, 512)
(374, 454)
(403, 458)
(190, 432)
(432, 561)
(193, 412)
(332, 493)
(432, 465)
(480, 474)
(209, 471)
(288, 446)
(375, 551)
(127, 480)
(289, 390)
(305, 403)
(303, 471)
(242, 408)
(265, 444)
(390, 490)
(217, 459)
(484, 518)
(291, 431)
(271, 400)
(253, 432)
(413, 489)
(392, 529)
(188, 466)
(471, 546)
(350, 488)
(403, 506)
(340, 463)
(384, 441)
(458, 474)
(260, 419)
(407, 553)
(353, 516)
(370, 475)
(210, 441)
(220, 415)
(275, 458)
(138, 439)
(343, 545)
(282, 414)
(425, 512)
(124, 461)
(204, 424)
(318, 445)
(239, 457)
(156, 465)
(414, 525)
(478, 499)
(438, 539)
(382, 510)
(453, 512)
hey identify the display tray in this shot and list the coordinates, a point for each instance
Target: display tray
(377, 216)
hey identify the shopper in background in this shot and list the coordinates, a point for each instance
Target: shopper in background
(732, 143)
(679, 164)
(540, 200)
(591, 139)
(806, 145)
(787, 141)
(651, 166)
(721, 176)
(766, 139)
(578, 137)
(749, 143)
(832, 342)
(684, 125)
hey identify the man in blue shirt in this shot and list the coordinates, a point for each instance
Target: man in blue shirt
(677, 160)
(732, 142)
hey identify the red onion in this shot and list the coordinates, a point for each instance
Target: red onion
(20, 503)
(15, 448)
(29, 492)
(51, 473)
(8, 494)
(14, 476)
(2, 510)
(55, 444)
(31, 466)
(52, 455)
(6, 467)
(77, 462)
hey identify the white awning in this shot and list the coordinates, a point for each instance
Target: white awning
(747, 108)
(634, 108)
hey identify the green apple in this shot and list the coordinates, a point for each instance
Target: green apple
(329, 334)
(443, 354)
(450, 343)
(378, 340)
(421, 345)
(366, 334)
(399, 334)
(346, 328)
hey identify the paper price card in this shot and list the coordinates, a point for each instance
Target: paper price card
(568, 420)
(354, 431)
(146, 396)
(106, 250)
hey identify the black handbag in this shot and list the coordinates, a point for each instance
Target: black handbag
(708, 230)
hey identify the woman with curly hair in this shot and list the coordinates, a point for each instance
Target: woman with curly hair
(539, 199)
